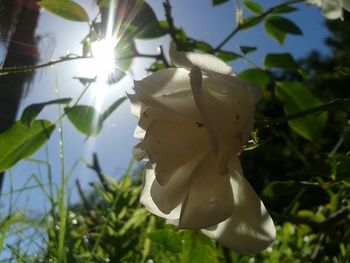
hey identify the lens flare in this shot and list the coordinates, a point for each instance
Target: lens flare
(104, 58)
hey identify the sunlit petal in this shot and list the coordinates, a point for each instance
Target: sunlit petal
(146, 198)
(250, 229)
(205, 62)
(210, 199)
(170, 144)
(168, 89)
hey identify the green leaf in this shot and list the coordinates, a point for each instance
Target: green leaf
(145, 22)
(254, 7)
(275, 33)
(124, 52)
(256, 76)
(282, 61)
(227, 56)
(283, 24)
(32, 111)
(65, 9)
(251, 21)
(197, 248)
(85, 119)
(202, 46)
(167, 238)
(281, 188)
(112, 108)
(20, 142)
(219, 2)
(246, 49)
(284, 9)
(296, 98)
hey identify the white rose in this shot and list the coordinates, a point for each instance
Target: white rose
(194, 121)
(332, 9)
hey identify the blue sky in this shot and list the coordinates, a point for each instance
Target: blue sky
(113, 145)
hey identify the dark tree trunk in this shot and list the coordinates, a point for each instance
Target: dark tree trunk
(22, 51)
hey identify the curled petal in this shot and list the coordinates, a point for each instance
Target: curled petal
(168, 197)
(170, 144)
(250, 229)
(139, 152)
(168, 89)
(205, 62)
(332, 9)
(227, 105)
(210, 199)
(146, 198)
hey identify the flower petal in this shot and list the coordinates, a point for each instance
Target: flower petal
(227, 105)
(168, 89)
(210, 199)
(205, 62)
(172, 194)
(170, 144)
(250, 229)
(332, 9)
(139, 152)
(146, 198)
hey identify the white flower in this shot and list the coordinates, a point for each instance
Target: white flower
(194, 121)
(332, 9)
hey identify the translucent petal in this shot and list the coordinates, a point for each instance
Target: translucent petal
(210, 199)
(206, 62)
(146, 118)
(250, 229)
(139, 152)
(227, 105)
(167, 89)
(332, 9)
(171, 195)
(146, 198)
(171, 143)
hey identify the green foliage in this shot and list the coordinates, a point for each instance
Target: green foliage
(66, 9)
(296, 98)
(32, 111)
(228, 56)
(145, 24)
(281, 61)
(20, 141)
(283, 24)
(256, 76)
(254, 7)
(85, 119)
(278, 27)
(301, 170)
(246, 49)
(219, 2)
(284, 9)
(251, 21)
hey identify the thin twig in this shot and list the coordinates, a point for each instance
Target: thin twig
(170, 20)
(97, 168)
(279, 120)
(82, 195)
(28, 68)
